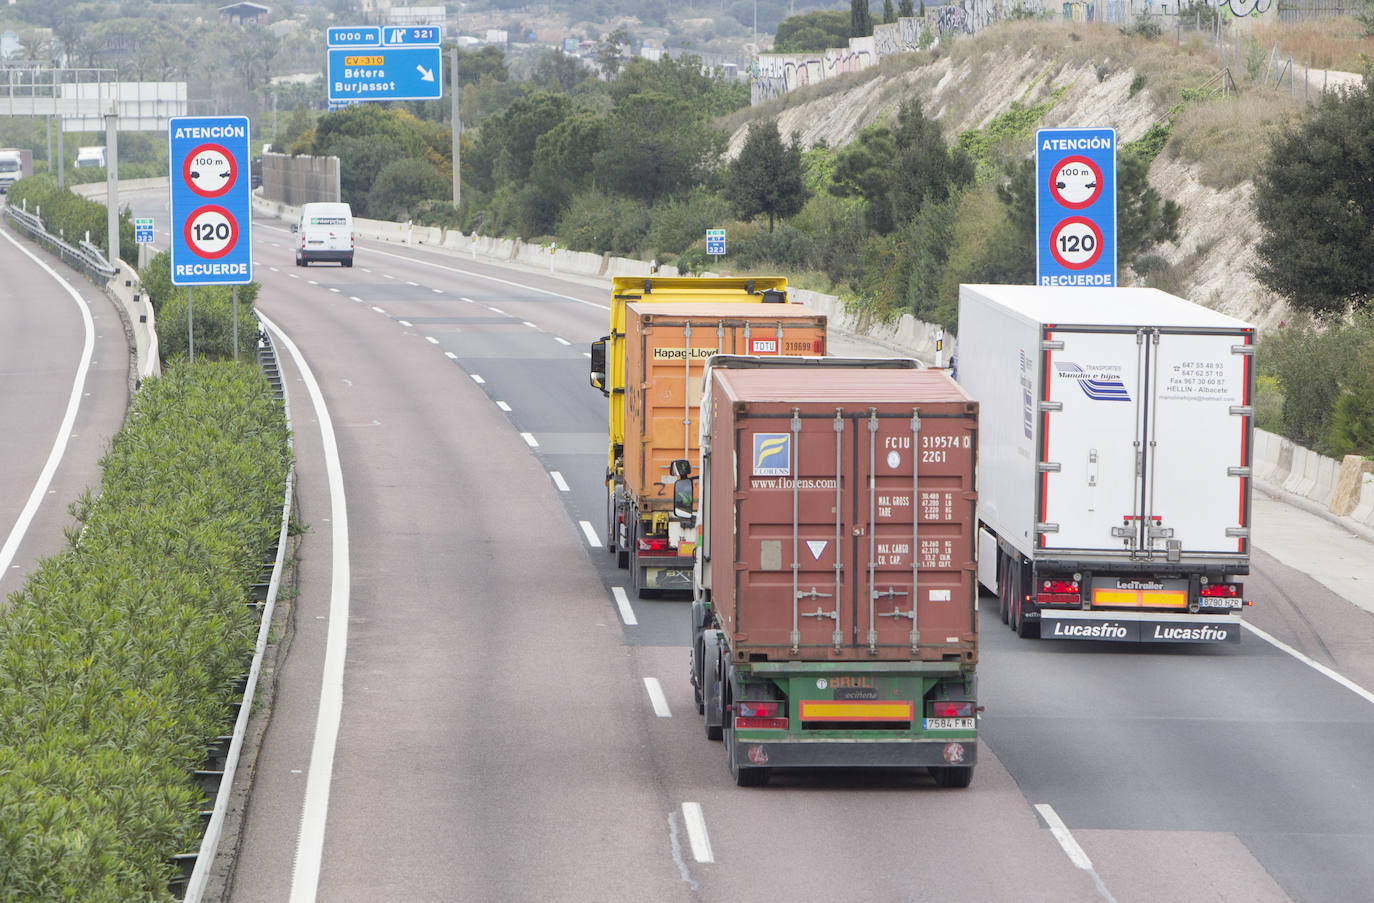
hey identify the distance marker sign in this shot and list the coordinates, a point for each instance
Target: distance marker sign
(211, 200)
(1075, 207)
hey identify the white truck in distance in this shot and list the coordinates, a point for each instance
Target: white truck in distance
(15, 164)
(1114, 484)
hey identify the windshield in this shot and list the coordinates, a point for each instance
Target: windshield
(9, 166)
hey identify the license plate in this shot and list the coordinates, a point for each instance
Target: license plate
(949, 724)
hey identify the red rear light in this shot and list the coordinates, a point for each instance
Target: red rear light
(1059, 586)
(947, 709)
(1058, 592)
(749, 709)
(1221, 590)
(653, 545)
(765, 724)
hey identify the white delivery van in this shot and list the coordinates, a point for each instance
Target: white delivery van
(324, 232)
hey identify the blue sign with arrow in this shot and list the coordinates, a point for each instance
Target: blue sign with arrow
(388, 63)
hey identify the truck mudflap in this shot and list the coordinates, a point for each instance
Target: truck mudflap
(848, 753)
(666, 572)
(1139, 626)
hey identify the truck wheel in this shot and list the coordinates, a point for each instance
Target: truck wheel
(952, 775)
(1027, 630)
(696, 674)
(744, 776)
(710, 684)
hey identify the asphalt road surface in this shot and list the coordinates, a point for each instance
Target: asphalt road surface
(511, 727)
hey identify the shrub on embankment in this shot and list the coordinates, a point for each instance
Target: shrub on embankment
(212, 313)
(119, 656)
(72, 217)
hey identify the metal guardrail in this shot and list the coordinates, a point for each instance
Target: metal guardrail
(83, 255)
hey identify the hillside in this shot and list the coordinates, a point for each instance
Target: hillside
(1106, 79)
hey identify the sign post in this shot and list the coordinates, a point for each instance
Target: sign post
(211, 210)
(1075, 204)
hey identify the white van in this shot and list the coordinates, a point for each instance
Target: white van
(324, 232)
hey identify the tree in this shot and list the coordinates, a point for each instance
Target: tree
(402, 185)
(889, 14)
(489, 62)
(766, 177)
(812, 32)
(659, 146)
(1143, 219)
(1315, 203)
(557, 71)
(860, 19)
(610, 52)
(906, 9)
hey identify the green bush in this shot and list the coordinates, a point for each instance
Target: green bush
(119, 656)
(678, 224)
(600, 222)
(1352, 421)
(212, 312)
(72, 217)
(1315, 368)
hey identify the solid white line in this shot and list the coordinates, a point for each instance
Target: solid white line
(696, 832)
(1061, 834)
(530, 440)
(64, 431)
(562, 341)
(305, 875)
(503, 406)
(590, 532)
(558, 480)
(477, 379)
(656, 697)
(450, 355)
(1311, 663)
(405, 323)
(622, 601)
(378, 309)
(431, 339)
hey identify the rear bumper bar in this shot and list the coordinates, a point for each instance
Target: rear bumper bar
(1139, 626)
(823, 753)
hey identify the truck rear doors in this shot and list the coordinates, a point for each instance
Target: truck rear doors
(1144, 442)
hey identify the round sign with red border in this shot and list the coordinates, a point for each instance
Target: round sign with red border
(1076, 242)
(1075, 182)
(209, 171)
(211, 232)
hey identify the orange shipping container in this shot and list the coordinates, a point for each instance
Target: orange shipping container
(666, 348)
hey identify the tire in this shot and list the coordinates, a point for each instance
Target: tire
(710, 685)
(955, 776)
(696, 672)
(1027, 630)
(745, 776)
(348, 262)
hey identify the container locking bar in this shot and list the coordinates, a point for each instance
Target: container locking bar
(796, 533)
(915, 524)
(872, 527)
(839, 514)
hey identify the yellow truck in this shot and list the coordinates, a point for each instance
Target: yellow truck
(650, 368)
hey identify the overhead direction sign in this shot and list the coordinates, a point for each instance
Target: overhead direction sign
(211, 208)
(1075, 203)
(386, 63)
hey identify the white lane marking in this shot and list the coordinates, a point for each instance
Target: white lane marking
(1311, 663)
(293, 275)
(334, 290)
(405, 323)
(388, 276)
(64, 431)
(562, 341)
(450, 355)
(378, 309)
(557, 478)
(477, 379)
(416, 284)
(696, 832)
(497, 279)
(530, 440)
(355, 298)
(656, 697)
(365, 269)
(622, 601)
(529, 324)
(431, 339)
(305, 874)
(468, 300)
(274, 269)
(312, 282)
(503, 406)
(437, 291)
(586, 354)
(497, 310)
(1061, 833)
(590, 532)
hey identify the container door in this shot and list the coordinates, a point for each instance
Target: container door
(1091, 464)
(1197, 455)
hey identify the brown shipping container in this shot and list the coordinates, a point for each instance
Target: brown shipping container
(666, 347)
(813, 506)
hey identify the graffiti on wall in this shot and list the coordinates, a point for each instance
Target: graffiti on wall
(1243, 8)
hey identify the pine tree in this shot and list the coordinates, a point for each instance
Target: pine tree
(766, 177)
(906, 9)
(860, 19)
(889, 14)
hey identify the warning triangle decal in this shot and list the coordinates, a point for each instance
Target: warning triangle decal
(817, 547)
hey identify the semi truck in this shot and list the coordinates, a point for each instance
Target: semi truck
(834, 619)
(15, 164)
(649, 367)
(1115, 476)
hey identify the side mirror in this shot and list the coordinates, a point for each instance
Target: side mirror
(684, 499)
(680, 467)
(599, 364)
(295, 227)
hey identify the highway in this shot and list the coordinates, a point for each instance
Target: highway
(499, 721)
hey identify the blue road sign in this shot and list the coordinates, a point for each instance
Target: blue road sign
(1075, 204)
(394, 62)
(715, 242)
(211, 212)
(143, 230)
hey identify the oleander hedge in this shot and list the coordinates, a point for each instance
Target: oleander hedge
(67, 213)
(119, 656)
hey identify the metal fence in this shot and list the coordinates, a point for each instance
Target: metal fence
(1292, 12)
(83, 255)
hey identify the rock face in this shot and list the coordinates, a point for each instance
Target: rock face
(966, 88)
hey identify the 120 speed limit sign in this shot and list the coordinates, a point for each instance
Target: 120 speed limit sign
(211, 232)
(1076, 242)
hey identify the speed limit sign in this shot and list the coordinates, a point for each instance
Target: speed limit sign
(1076, 243)
(1075, 207)
(211, 203)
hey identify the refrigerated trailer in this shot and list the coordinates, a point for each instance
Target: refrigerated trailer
(834, 616)
(1115, 476)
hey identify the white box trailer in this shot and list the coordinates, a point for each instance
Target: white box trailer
(1114, 475)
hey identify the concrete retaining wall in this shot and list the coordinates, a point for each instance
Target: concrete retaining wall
(1341, 490)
